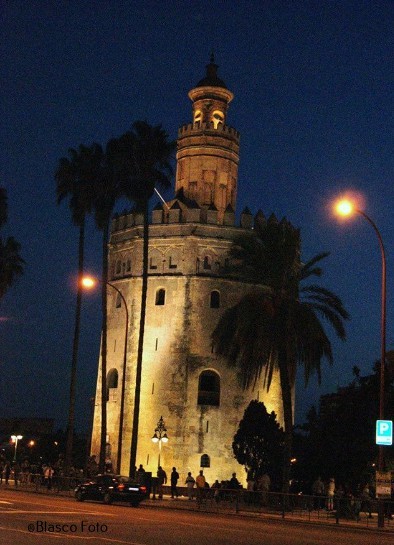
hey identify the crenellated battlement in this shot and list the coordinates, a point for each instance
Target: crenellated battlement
(198, 129)
(179, 213)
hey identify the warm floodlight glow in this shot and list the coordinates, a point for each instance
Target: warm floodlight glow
(88, 282)
(344, 207)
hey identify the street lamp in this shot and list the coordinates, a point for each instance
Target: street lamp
(15, 439)
(89, 282)
(160, 436)
(346, 208)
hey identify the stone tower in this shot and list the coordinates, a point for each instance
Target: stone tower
(208, 149)
(183, 381)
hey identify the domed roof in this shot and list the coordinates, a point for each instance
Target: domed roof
(211, 79)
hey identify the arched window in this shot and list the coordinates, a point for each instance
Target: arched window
(118, 269)
(207, 263)
(160, 297)
(197, 117)
(112, 378)
(118, 302)
(217, 118)
(128, 266)
(215, 299)
(205, 461)
(112, 381)
(209, 389)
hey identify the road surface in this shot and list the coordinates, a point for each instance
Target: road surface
(27, 519)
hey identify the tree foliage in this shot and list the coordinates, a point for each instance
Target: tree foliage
(258, 443)
(11, 262)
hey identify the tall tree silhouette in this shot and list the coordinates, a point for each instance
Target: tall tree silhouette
(11, 262)
(76, 178)
(277, 325)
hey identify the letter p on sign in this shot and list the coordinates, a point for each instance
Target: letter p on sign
(384, 432)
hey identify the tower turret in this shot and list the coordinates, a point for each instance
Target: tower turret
(208, 149)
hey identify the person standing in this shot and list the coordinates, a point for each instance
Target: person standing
(174, 481)
(7, 472)
(190, 482)
(140, 474)
(48, 476)
(318, 491)
(200, 484)
(330, 494)
(161, 480)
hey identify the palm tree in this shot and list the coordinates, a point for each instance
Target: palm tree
(107, 192)
(277, 326)
(76, 177)
(143, 160)
(11, 263)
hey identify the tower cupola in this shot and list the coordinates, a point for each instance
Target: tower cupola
(208, 149)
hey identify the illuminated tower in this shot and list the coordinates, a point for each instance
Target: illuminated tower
(190, 236)
(208, 149)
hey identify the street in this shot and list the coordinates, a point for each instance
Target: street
(26, 518)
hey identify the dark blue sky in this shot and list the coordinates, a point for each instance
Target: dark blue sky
(313, 84)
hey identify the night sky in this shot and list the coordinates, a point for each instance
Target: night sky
(313, 84)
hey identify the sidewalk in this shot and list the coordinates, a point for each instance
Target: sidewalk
(321, 516)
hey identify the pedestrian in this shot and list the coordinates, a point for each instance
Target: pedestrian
(190, 482)
(330, 494)
(48, 476)
(200, 484)
(216, 490)
(161, 480)
(7, 472)
(234, 483)
(366, 500)
(17, 470)
(140, 474)
(174, 481)
(318, 491)
(263, 487)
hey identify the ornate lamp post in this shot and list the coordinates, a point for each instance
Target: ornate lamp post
(89, 282)
(160, 436)
(15, 439)
(346, 208)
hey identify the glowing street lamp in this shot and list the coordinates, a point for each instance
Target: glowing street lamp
(160, 436)
(88, 282)
(15, 439)
(346, 208)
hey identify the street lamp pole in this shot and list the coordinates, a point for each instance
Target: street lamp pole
(122, 395)
(382, 330)
(89, 282)
(160, 436)
(345, 208)
(15, 439)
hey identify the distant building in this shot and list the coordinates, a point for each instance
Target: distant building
(183, 381)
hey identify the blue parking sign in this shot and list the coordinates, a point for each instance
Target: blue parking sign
(384, 432)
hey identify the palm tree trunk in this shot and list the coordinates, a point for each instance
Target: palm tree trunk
(138, 374)
(287, 416)
(74, 361)
(103, 439)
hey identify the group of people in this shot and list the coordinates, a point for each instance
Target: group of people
(350, 502)
(195, 487)
(25, 472)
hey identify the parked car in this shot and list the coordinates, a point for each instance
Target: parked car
(110, 488)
